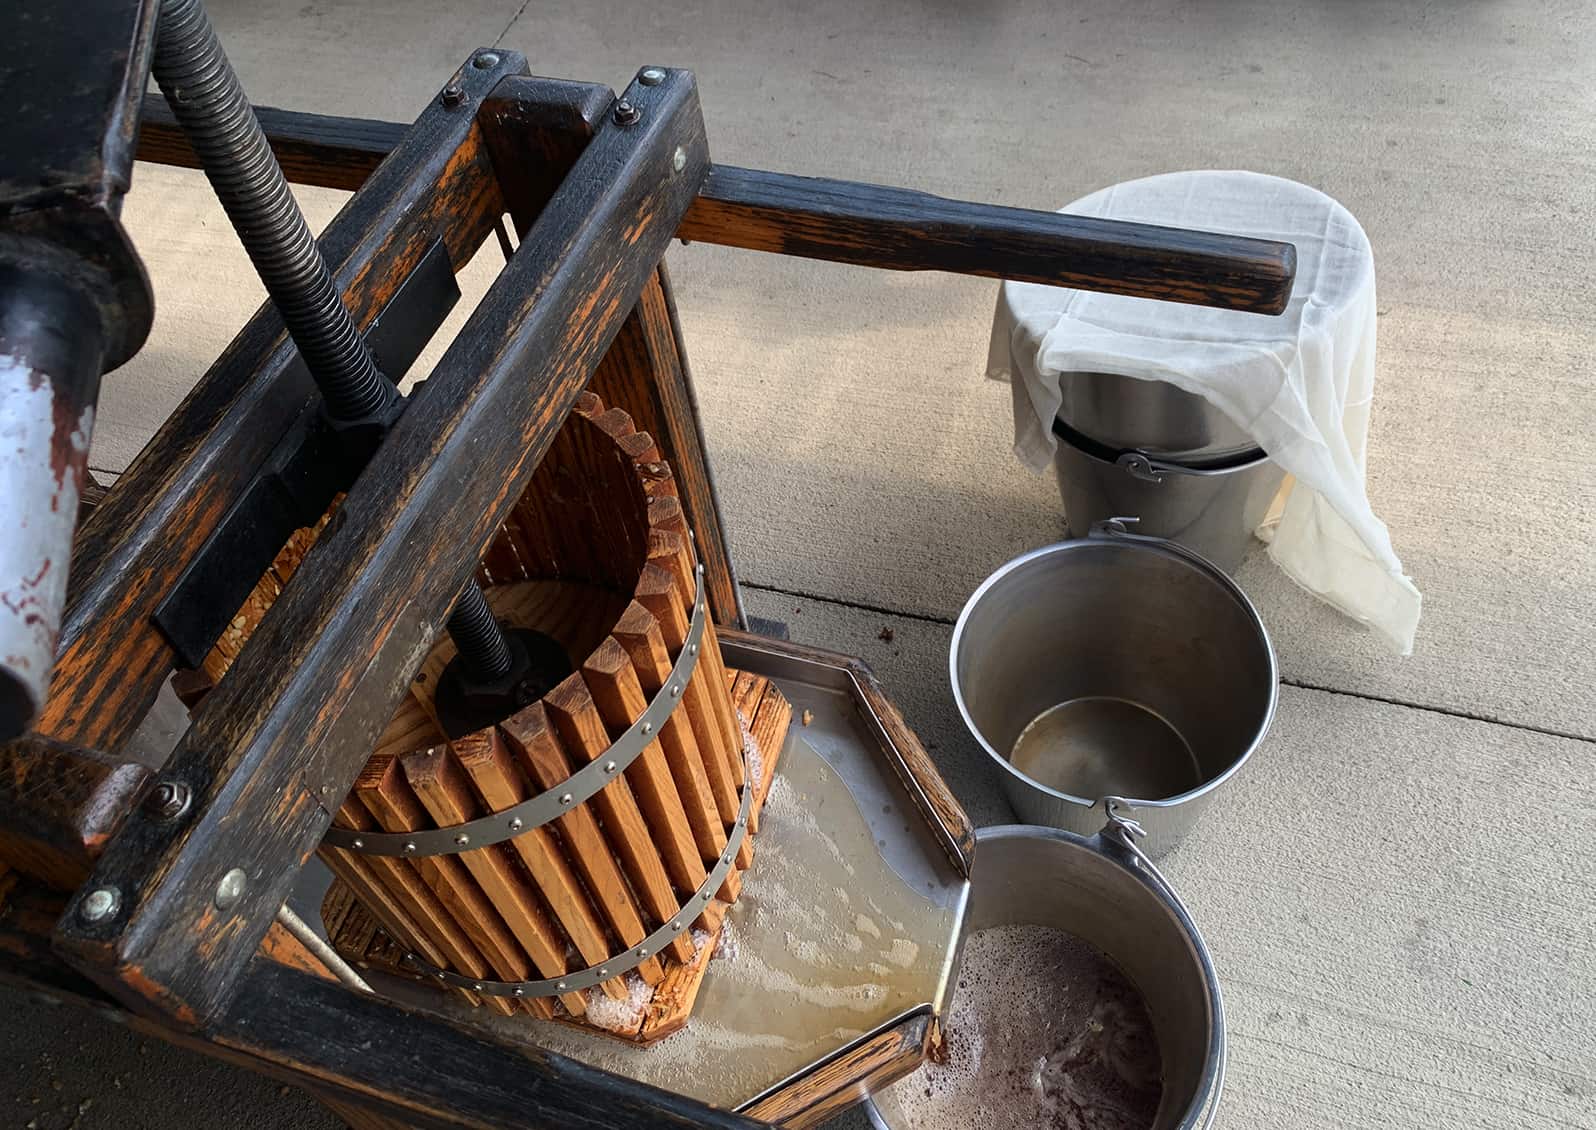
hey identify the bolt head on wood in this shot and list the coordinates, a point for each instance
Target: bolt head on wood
(169, 800)
(231, 889)
(486, 60)
(626, 113)
(100, 904)
(453, 95)
(651, 76)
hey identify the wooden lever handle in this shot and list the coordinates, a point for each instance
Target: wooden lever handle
(846, 222)
(900, 229)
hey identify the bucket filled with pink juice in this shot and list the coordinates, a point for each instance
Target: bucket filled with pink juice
(1085, 1000)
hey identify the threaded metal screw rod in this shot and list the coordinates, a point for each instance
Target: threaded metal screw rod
(478, 637)
(209, 103)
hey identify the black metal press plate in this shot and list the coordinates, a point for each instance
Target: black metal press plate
(298, 481)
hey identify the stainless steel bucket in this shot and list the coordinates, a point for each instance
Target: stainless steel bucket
(1154, 417)
(1113, 665)
(1213, 506)
(1103, 890)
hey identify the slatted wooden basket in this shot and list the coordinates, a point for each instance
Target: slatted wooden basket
(576, 859)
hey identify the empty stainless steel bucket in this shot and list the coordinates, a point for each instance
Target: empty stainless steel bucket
(1153, 417)
(1103, 890)
(1213, 509)
(1113, 665)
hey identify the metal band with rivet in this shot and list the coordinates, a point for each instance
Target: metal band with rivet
(539, 810)
(654, 943)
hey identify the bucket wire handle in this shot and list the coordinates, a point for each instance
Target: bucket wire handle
(1125, 831)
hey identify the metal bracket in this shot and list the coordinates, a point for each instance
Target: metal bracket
(539, 810)
(683, 919)
(1139, 466)
(298, 481)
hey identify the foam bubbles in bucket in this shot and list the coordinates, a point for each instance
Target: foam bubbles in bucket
(1043, 1031)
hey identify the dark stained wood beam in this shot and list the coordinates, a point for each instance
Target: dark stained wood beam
(902, 230)
(61, 803)
(864, 224)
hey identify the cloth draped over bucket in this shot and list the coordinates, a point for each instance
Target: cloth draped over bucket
(1301, 384)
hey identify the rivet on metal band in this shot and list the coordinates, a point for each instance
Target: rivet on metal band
(658, 940)
(539, 810)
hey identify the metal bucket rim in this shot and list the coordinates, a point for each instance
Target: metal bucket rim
(1141, 542)
(1205, 1101)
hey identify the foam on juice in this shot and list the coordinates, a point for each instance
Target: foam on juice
(1043, 1031)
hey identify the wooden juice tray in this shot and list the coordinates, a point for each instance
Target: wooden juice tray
(837, 958)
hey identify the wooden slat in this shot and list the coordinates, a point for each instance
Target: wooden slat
(383, 792)
(769, 731)
(638, 632)
(612, 682)
(670, 550)
(493, 771)
(436, 935)
(540, 753)
(443, 788)
(646, 372)
(657, 592)
(583, 733)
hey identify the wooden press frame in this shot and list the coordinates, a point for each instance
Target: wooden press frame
(596, 193)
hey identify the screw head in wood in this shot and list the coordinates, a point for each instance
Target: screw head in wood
(626, 113)
(462, 839)
(678, 159)
(477, 986)
(651, 76)
(609, 767)
(169, 800)
(604, 972)
(566, 798)
(516, 824)
(642, 951)
(558, 985)
(648, 727)
(676, 925)
(676, 690)
(693, 649)
(486, 60)
(518, 992)
(357, 844)
(99, 904)
(231, 889)
(410, 849)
